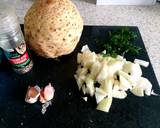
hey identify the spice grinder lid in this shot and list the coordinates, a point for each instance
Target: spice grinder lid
(8, 18)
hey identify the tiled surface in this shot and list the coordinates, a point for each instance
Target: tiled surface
(147, 18)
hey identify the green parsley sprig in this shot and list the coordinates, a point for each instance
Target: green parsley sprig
(120, 43)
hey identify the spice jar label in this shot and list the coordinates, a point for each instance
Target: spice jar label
(18, 57)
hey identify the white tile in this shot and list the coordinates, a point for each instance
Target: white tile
(126, 2)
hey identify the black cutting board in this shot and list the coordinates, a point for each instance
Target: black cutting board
(69, 110)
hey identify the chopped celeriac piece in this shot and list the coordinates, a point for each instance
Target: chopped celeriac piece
(88, 58)
(134, 70)
(141, 62)
(81, 71)
(116, 85)
(148, 88)
(120, 58)
(119, 94)
(105, 104)
(104, 52)
(107, 86)
(103, 74)
(138, 91)
(85, 49)
(145, 85)
(84, 89)
(124, 84)
(85, 99)
(90, 86)
(100, 95)
(154, 94)
(79, 80)
(114, 67)
(128, 77)
(95, 68)
(79, 58)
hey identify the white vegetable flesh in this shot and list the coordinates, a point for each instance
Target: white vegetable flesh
(134, 70)
(141, 62)
(90, 86)
(100, 94)
(115, 77)
(105, 104)
(119, 94)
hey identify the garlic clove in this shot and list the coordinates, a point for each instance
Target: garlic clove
(41, 98)
(48, 92)
(32, 94)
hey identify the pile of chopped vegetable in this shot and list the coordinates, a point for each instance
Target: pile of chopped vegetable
(114, 76)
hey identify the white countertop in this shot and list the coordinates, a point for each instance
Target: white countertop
(147, 18)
